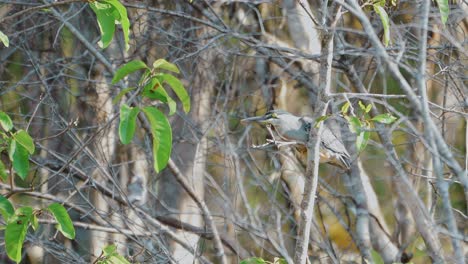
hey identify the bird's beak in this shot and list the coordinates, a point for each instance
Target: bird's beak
(258, 119)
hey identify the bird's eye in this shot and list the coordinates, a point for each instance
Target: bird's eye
(274, 115)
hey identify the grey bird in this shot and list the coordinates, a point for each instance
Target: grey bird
(291, 128)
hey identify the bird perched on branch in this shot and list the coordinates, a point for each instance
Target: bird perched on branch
(294, 130)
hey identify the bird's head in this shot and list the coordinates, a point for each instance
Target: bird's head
(275, 118)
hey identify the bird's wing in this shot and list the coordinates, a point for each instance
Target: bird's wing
(331, 142)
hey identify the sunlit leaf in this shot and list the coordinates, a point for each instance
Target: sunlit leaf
(65, 225)
(384, 118)
(444, 10)
(5, 121)
(22, 137)
(179, 90)
(4, 39)
(6, 208)
(128, 68)
(20, 158)
(345, 107)
(162, 137)
(163, 64)
(15, 232)
(127, 123)
(368, 108)
(122, 19)
(385, 22)
(106, 22)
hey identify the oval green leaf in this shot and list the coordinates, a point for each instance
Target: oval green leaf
(384, 118)
(15, 232)
(20, 158)
(65, 225)
(106, 22)
(128, 68)
(23, 138)
(345, 107)
(127, 123)
(164, 64)
(6, 208)
(162, 137)
(5, 121)
(154, 90)
(122, 17)
(178, 88)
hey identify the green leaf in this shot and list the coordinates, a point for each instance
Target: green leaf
(376, 257)
(20, 158)
(34, 222)
(4, 39)
(106, 22)
(385, 22)
(15, 232)
(6, 208)
(3, 171)
(127, 124)
(65, 225)
(362, 106)
(109, 250)
(128, 68)
(23, 138)
(154, 90)
(354, 123)
(164, 64)
(5, 121)
(253, 261)
(162, 137)
(117, 259)
(444, 10)
(277, 260)
(121, 94)
(384, 118)
(345, 107)
(361, 140)
(368, 108)
(320, 119)
(178, 88)
(122, 18)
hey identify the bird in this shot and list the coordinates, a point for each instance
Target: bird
(296, 129)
